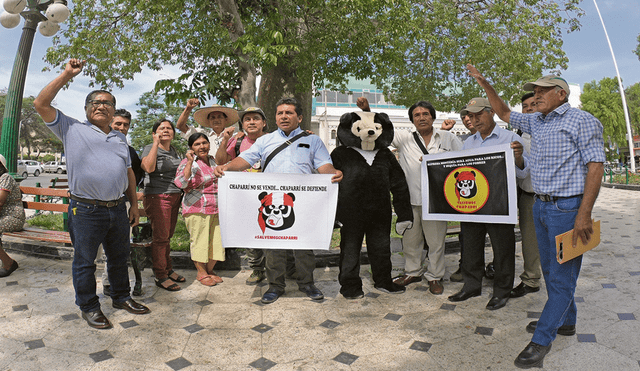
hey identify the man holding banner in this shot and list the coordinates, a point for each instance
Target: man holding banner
(502, 235)
(567, 157)
(287, 150)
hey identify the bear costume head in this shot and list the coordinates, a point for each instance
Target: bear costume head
(276, 210)
(465, 184)
(366, 130)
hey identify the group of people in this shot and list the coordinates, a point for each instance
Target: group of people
(558, 166)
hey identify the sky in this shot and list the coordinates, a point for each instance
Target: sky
(587, 49)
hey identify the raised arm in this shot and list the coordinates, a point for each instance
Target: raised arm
(42, 103)
(222, 157)
(181, 124)
(498, 105)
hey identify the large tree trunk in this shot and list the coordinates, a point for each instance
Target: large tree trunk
(246, 96)
(280, 82)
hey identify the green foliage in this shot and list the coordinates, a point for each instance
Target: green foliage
(52, 222)
(34, 134)
(633, 104)
(602, 99)
(181, 239)
(414, 49)
(151, 109)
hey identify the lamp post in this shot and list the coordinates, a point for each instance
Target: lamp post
(56, 11)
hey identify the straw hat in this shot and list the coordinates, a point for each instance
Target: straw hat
(201, 115)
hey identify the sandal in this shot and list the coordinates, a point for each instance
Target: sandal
(215, 277)
(172, 287)
(201, 279)
(177, 279)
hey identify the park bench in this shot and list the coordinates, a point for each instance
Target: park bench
(62, 183)
(46, 199)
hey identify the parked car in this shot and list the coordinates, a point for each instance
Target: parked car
(32, 167)
(22, 170)
(55, 167)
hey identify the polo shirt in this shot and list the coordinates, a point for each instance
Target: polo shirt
(96, 162)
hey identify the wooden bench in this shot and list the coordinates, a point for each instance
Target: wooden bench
(139, 257)
(59, 183)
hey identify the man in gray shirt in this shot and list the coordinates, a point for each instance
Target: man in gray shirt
(99, 170)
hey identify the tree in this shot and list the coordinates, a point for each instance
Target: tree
(34, 134)
(152, 108)
(602, 99)
(633, 103)
(414, 49)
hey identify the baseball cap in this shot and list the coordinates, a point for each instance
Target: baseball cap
(252, 110)
(476, 105)
(549, 80)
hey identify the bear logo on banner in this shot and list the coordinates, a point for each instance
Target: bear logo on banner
(466, 189)
(276, 211)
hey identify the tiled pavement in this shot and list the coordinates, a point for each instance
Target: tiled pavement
(226, 328)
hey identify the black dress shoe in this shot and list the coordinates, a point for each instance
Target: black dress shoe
(532, 355)
(132, 307)
(464, 295)
(271, 295)
(312, 291)
(497, 303)
(490, 271)
(522, 290)
(96, 319)
(566, 330)
(7, 272)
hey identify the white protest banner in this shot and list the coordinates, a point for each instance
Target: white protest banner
(277, 211)
(477, 185)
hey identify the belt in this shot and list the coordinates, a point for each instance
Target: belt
(548, 198)
(113, 203)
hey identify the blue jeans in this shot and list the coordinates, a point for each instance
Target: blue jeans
(89, 226)
(551, 219)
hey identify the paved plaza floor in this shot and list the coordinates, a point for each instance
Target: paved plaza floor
(227, 328)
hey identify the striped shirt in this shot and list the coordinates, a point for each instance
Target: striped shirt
(563, 143)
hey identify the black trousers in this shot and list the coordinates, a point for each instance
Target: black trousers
(378, 248)
(503, 241)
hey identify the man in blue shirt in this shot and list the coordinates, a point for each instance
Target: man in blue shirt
(567, 153)
(502, 236)
(303, 156)
(100, 173)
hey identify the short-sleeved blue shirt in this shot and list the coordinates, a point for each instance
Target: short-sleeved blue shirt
(96, 162)
(563, 143)
(302, 156)
(498, 136)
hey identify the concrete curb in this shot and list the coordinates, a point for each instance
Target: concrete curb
(628, 187)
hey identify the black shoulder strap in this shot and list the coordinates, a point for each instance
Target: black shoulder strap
(284, 145)
(238, 144)
(416, 136)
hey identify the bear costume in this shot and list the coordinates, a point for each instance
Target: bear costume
(370, 172)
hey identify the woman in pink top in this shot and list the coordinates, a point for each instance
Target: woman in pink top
(200, 208)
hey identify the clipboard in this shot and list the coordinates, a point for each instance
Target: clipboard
(564, 249)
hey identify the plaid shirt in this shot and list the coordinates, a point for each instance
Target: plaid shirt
(200, 190)
(563, 143)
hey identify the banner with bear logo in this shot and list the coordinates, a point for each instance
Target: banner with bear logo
(277, 211)
(477, 185)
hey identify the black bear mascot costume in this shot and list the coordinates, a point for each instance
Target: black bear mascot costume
(364, 204)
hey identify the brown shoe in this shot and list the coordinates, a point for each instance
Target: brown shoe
(435, 287)
(406, 280)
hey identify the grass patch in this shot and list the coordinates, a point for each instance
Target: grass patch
(52, 222)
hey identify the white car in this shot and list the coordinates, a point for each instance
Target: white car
(55, 167)
(29, 167)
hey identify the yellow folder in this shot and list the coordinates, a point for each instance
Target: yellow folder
(564, 244)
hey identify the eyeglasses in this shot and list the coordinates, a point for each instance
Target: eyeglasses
(98, 103)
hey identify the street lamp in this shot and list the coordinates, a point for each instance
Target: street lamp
(56, 12)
